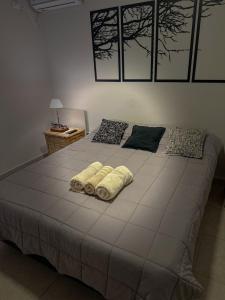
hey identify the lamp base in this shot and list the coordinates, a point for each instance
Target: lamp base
(59, 128)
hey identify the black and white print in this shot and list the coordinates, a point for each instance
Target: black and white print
(186, 142)
(175, 36)
(110, 132)
(209, 63)
(137, 29)
(105, 41)
(181, 25)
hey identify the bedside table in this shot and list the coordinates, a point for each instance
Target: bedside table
(58, 140)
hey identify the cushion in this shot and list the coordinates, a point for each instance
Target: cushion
(110, 132)
(186, 142)
(145, 138)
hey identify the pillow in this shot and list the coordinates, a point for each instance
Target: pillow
(145, 138)
(110, 132)
(186, 142)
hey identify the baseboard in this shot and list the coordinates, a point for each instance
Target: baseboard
(21, 166)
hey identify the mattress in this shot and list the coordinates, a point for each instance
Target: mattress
(139, 246)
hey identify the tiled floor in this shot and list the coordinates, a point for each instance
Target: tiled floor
(24, 278)
(209, 266)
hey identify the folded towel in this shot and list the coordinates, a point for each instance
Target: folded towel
(94, 180)
(111, 185)
(78, 182)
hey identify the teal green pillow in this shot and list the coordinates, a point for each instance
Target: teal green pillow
(145, 138)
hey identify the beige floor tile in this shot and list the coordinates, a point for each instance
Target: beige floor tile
(211, 266)
(212, 211)
(210, 253)
(11, 289)
(213, 222)
(212, 289)
(212, 247)
(66, 288)
(25, 271)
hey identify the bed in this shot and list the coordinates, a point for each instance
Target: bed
(139, 246)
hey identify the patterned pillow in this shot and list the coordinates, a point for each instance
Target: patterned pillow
(186, 142)
(110, 132)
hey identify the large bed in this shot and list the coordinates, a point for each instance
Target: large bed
(139, 246)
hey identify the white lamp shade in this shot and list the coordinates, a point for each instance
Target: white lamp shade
(56, 103)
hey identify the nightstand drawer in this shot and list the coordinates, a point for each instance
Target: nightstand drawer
(76, 137)
(55, 140)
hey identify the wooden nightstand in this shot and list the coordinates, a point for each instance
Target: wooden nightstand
(56, 141)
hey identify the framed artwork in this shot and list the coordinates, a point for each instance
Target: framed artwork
(137, 35)
(106, 44)
(209, 62)
(174, 40)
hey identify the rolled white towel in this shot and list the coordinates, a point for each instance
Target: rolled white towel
(94, 180)
(112, 184)
(78, 182)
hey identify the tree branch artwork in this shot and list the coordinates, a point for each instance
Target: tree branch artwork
(173, 16)
(137, 24)
(173, 20)
(105, 33)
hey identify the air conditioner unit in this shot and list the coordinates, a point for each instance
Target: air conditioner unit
(47, 5)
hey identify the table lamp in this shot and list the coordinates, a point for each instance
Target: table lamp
(57, 104)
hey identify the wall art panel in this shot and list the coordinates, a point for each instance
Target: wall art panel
(175, 37)
(209, 62)
(106, 44)
(137, 30)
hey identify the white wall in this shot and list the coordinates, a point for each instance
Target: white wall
(68, 37)
(24, 87)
